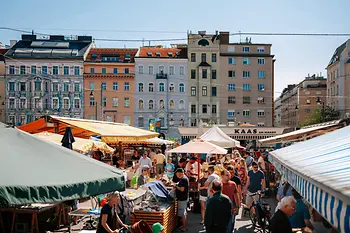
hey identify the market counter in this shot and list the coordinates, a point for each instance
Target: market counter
(165, 214)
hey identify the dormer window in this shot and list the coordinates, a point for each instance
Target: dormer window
(149, 54)
(127, 56)
(158, 54)
(170, 54)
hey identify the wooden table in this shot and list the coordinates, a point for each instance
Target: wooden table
(167, 216)
(33, 210)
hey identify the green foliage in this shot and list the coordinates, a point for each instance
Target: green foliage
(330, 114)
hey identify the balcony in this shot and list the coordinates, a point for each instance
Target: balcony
(161, 76)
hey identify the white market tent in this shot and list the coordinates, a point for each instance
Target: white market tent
(319, 169)
(216, 136)
(159, 141)
(199, 146)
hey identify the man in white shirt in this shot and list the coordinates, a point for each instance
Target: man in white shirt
(144, 160)
(160, 158)
(212, 176)
(192, 169)
(261, 162)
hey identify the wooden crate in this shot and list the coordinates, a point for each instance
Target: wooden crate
(168, 217)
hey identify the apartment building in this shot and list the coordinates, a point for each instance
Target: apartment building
(246, 82)
(109, 75)
(44, 75)
(298, 102)
(204, 80)
(338, 82)
(277, 112)
(161, 87)
(2, 84)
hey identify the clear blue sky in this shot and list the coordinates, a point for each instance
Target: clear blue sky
(295, 56)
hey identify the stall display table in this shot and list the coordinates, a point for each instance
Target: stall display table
(167, 216)
(34, 210)
(83, 214)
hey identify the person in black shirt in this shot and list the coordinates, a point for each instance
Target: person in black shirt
(109, 216)
(279, 222)
(182, 197)
(181, 164)
(237, 180)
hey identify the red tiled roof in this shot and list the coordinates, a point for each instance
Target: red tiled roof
(111, 51)
(2, 52)
(162, 51)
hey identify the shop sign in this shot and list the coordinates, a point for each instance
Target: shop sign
(245, 131)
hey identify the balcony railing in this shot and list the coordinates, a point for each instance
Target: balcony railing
(161, 76)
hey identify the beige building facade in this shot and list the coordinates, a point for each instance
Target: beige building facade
(247, 82)
(2, 84)
(338, 82)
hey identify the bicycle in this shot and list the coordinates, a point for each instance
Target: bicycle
(260, 213)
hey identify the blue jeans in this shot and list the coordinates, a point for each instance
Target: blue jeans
(231, 223)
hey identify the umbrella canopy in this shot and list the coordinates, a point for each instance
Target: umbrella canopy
(216, 136)
(68, 138)
(159, 141)
(35, 171)
(199, 146)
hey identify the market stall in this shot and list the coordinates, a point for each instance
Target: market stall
(319, 169)
(216, 136)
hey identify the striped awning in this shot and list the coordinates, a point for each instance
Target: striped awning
(319, 169)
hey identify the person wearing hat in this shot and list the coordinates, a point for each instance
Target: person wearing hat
(157, 228)
(143, 177)
(182, 196)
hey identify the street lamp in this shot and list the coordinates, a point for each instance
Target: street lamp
(318, 101)
(95, 103)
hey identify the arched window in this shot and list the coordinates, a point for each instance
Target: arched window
(150, 87)
(181, 104)
(182, 87)
(140, 87)
(171, 104)
(150, 104)
(161, 104)
(140, 104)
(161, 87)
(171, 87)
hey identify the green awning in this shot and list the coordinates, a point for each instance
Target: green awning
(36, 171)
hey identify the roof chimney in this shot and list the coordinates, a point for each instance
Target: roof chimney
(202, 33)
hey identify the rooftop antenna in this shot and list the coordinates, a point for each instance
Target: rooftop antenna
(143, 42)
(32, 32)
(240, 37)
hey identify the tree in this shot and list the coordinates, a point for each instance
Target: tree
(330, 114)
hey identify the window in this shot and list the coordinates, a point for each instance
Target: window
(261, 61)
(150, 104)
(161, 87)
(231, 100)
(231, 113)
(76, 103)
(231, 49)
(11, 86)
(246, 113)
(193, 108)
(12, 103)
(260, 49)
(126, 102)
(65, 87)
(150, 87)
(246, 99)
(231, 74)
(246, 61)
(193, 57)
(182, 70)
(171, 70)
(92, 101)
(213, 91)
(55, 103)
(44, 69)
(261, 74)
(115, 102)
(204, 109)
(213, 57)
(245, 49)
(161, 69)
(213, 74)
(213, 109)
(193, 122)
(55, 70)
(246, 74)
(76, 70)
(261, 124)
(126, 86)
(22, 69)
(115, 86)
(140, 122)
(231, 60)
(171, 104)
(37, 103)
(204, 73)
(140, 87)
(181, 104)
(261, 113)
(127, 120)
(33, 70)
(182, 87)
(193, 74)
(104, 102)
(203, 57)
(193, 91)
(246, 87)
(55, 86)
(261, 100)
(161, 104)
(150, 69)
(92, 70)
(104, 86)
(261, 87)
(104, 70)
(162, 121)
(66, 70)
(204, 91)
(22, 103)
(66, 104)
(171, 87)
(140, 104)
(140, 69)
(37, 85)
(231, 87)
(115, 70)
(92, 85)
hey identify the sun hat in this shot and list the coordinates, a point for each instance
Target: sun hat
(157, 227)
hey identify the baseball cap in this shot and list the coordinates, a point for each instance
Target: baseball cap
(157, 227)
(145, 167)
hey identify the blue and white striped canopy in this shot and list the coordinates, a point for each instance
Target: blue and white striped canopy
(319, 169)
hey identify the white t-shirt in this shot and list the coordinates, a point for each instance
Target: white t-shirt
(160, 158)
(147, 161)
(261, 161)
(210, 180)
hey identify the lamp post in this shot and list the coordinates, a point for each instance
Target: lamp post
(92, 96)
(318, 101)
(95, 103)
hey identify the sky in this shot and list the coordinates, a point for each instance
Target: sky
(296, 56)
